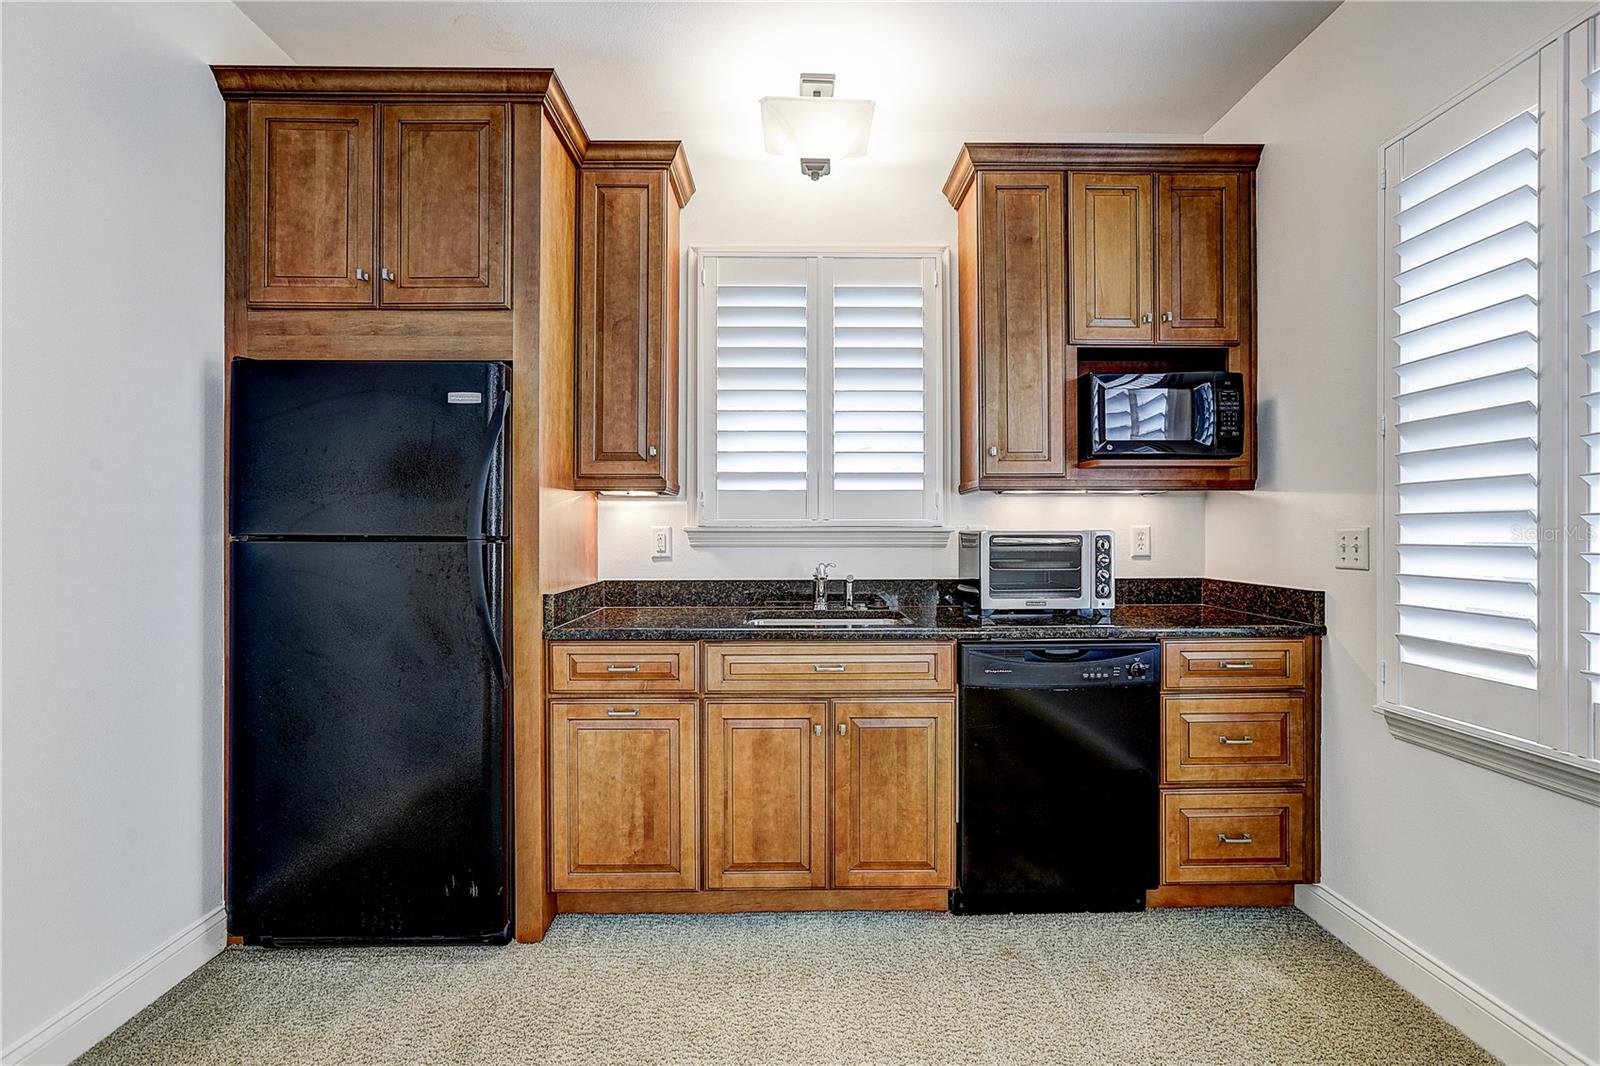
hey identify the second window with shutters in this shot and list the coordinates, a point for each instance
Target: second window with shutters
(817, 388)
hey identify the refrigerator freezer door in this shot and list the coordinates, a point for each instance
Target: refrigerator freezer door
(367, 742)
(355, 448)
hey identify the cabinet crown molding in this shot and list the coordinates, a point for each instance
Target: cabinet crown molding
(538, 85)
(975, 156)
(644, 155)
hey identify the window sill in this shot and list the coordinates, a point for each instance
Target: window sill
(831, 536)
(1521, 759)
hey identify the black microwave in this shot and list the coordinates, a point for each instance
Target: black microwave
(1194, 415)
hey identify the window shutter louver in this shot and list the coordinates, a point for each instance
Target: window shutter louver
(1467, 401)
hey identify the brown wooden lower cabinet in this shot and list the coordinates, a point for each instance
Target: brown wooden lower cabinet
(766, 789)
(894, 794)
(1233, 836)
(623, 802)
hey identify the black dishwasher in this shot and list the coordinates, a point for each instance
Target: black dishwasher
(1058, 777)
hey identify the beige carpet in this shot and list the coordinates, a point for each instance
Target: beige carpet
(1192, 987)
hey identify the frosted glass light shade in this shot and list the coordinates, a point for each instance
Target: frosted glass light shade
(816, 127)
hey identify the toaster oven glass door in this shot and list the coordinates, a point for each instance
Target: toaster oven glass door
(1036, 567)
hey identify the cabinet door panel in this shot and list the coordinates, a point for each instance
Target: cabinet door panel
(621, 365)
(311, 201)
(622, 798)
(444, 205)
(766, 795)
(1113, 269)
(894, 794)
(1198, 248)
(1022, 272)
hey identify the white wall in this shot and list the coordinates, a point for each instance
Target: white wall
(112, 403)
(892, 197)
(1498, 879)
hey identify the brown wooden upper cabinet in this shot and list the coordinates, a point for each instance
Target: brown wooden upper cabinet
(327, 229)
(1097, 258)
(1022, 289)
(1155, 258)
(627, 371)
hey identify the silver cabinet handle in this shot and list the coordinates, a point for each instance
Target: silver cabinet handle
(651, 450)
(993, 450)
(1230, 740)
(1243, 838)
(816, 730)
(1148, 317)
(362, 275)
(841, 729)
(1230, 664)
(388, 275)
(1166, 316)
(828, 668)
(613, 669)
(622, 712)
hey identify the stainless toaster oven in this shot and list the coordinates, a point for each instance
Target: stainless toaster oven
(1035, 571)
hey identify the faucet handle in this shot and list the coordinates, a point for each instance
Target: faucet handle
(821, 572)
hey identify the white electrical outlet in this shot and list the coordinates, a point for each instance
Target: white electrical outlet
(1141, 542)
(1350, 553)
(660, 542)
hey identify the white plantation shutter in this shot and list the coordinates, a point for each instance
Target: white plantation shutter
(1463, 484)
(759, 417)
(881, 385)
(1584, 722)
(818, 385)
(1490, 583)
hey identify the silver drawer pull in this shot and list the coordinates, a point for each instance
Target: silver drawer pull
(1243, 838)
(622, 712)
(1241, 740)
(816, 730)
(1231, 664)
(634, 669)
(828, 668)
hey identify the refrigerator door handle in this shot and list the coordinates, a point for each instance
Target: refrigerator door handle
(480, 588)
(480, 495)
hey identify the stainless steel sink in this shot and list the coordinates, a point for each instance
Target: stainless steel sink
(791, 618)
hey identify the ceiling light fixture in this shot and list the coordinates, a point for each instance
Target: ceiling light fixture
(816, 126)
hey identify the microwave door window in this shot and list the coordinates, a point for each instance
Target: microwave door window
(1149, 415)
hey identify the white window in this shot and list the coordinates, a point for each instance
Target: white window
(1488, 417)
(818, 389)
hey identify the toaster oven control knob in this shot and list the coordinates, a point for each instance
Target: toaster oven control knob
(1103, 559)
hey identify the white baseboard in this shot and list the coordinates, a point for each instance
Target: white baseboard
(1484, 1018)
(95, 1016)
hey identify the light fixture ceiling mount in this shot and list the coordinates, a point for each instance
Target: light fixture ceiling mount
(816, 126)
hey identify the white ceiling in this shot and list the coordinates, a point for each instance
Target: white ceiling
(989, 70)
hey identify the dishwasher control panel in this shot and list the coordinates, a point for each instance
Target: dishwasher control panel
(1063, 664)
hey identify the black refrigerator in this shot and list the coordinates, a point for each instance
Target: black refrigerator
(367, 738)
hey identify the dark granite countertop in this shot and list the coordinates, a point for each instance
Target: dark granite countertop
(716, 610)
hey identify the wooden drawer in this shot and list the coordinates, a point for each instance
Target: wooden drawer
(629, 666)
(863, 666)
(1233, 664)
(1226, 738)
(1233, 837)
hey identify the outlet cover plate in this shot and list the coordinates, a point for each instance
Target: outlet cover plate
(660, 542)
(1141, 542)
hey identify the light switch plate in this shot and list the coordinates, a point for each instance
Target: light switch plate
(1350, 552)
(1141, 542)
(660, 542)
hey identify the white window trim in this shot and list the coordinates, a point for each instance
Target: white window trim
(1535, 763)
(827, 532)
